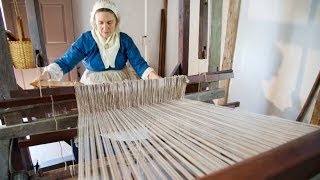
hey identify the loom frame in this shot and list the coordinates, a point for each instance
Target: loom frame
(299, 158)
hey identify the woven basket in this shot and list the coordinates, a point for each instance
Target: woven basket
(22, 54)
(21, 50)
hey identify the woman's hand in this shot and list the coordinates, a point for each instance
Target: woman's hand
(153, 75)
(43, 77)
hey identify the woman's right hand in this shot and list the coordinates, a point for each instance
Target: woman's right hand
(45, 76)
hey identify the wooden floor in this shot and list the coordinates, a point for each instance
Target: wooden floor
(61, 173)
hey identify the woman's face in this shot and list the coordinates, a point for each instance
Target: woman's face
(106, 23)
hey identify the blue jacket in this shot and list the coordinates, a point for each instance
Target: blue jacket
(85, 48)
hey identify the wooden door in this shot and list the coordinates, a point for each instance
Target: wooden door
(10, 16)
(57, 23)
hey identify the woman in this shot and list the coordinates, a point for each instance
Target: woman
(104, 51)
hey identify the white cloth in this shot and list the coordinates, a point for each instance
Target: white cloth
(90, 77)
(108, 48)
(55, 71)
(146, 73)
(103, 4)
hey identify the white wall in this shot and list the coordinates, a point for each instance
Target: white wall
(277, 55)
(172, 36)
(196, 66)
(132, 22)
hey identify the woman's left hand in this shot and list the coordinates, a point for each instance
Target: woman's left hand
(153, 75)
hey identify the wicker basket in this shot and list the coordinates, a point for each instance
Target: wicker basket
(21, 54)
(21, 50)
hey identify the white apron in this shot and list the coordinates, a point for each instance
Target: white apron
(110, 76)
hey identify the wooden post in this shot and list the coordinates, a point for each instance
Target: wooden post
(20, 161)
(311, 95)
(230, 43)
(163, 41)
(4, 159)
(315, 119)
(8, 82)
(7, 79)
(184, 26)
(215, 43)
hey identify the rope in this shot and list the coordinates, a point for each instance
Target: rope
(56, 122)
(16, 8)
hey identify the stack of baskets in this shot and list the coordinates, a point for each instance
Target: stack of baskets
(21, 50)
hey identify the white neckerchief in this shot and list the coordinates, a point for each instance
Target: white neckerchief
(108, 47)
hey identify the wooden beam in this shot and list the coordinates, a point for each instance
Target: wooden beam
(315, 119)
(34, 93)
(215, 42)
(39, 111)
(209, 77)
(311, 95)
(206, 96)
(230, 43)
(184, 28)
(64, 94)
(50, 137)
(232, 104)
(163, 42)
(7, 78)
(297, 159)
(38, 127)
(44, 91)
(215, 39)
(12, 118)
(29, 101)
(37, 106)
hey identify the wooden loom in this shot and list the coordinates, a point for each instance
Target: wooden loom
(298, 158)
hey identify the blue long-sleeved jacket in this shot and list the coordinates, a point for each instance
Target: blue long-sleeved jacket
(85, 48)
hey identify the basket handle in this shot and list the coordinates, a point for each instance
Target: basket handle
(18, 21)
